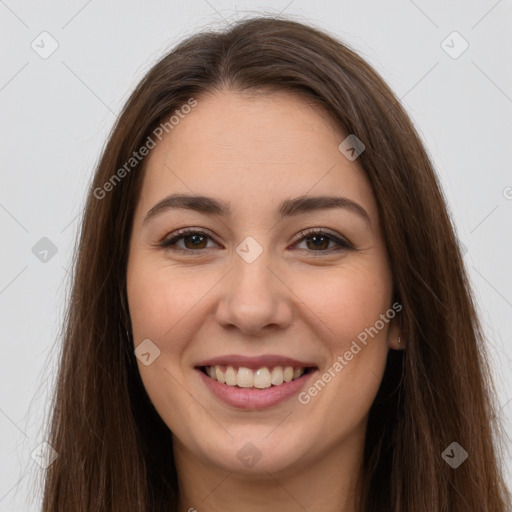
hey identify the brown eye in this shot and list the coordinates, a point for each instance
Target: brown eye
(319, 240)
(196, 241)
(192, 240)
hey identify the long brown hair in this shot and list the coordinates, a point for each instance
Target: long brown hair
(115, 452)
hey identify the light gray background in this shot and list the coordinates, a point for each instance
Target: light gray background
(56, 114)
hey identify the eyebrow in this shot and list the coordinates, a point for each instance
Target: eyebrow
(288, 208)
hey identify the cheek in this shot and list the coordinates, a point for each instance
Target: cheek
(161, 306)
(349, 306)
(346, 301)
(162, 300)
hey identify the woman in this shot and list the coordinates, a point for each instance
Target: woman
(270, 310)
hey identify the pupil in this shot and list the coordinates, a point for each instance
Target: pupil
(317, 240)
(196, 239)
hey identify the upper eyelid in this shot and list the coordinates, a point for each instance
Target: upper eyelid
(180, 233)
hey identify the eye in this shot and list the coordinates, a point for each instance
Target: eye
(192, 238)
(195, 240)
(318, 240)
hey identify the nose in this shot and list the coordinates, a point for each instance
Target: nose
(254, 298)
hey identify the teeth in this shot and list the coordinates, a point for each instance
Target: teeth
(220, 375)
(262, 378)
(245, 378)
(231, 376)
(277, 376)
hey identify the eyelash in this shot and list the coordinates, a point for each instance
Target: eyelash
(305, 234)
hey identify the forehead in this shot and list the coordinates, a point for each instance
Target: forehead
(253, 150)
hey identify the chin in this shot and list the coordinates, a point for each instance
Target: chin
(254, 451)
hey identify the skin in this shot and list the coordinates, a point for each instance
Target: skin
(254, 151)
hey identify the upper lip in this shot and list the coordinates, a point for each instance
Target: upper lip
(255, 362)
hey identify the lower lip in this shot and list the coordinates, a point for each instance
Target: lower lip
(251, 398)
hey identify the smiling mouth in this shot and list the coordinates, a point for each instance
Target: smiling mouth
(262, 378)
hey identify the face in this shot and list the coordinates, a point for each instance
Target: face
(266, 278)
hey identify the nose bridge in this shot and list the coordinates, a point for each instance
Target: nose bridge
(253, 297)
